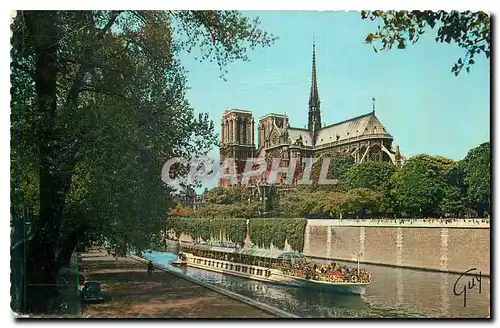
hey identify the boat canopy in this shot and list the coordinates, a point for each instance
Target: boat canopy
(255, 252)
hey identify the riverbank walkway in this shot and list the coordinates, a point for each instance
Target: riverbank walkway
(135, 294)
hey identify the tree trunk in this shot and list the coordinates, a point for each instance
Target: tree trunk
(67, 248)
(40, 260)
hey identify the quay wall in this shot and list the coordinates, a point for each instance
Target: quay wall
(455, 247)
(439, 247)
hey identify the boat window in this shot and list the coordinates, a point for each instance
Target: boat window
(227, 265)
(231, 267)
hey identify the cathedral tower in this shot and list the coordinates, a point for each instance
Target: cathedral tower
(314, 122)
(237, 137)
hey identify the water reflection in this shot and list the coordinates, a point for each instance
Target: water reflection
(399, 286)
(394, 292)
(445, 295)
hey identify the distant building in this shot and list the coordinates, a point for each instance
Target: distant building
(364, 136)
(189, 198)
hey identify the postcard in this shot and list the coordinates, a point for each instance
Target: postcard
(250, 164)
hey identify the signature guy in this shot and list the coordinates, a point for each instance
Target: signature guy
(462, 285)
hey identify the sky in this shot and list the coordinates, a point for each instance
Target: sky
(422, 104)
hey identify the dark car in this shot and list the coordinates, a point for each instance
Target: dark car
(92, 292)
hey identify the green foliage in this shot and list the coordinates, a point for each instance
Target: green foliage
(227, 195)
(337, 169)
(370, 175)
(221, 36)
(119, 124)
(263, 232)
(475, 169)
(422, 184)
(234, 229)
(244, 210)
(469, 30)
(295, 231)
(361, 202)
(98, 105)
(453, 202)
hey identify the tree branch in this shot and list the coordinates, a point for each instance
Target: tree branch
(104, 92)
(112, 20)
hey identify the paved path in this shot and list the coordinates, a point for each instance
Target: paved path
(134, 294)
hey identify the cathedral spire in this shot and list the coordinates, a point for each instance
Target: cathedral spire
(314, 104)
(314, 95)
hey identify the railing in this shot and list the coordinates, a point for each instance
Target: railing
(450, 223)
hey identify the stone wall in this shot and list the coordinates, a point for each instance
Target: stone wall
(449, 249)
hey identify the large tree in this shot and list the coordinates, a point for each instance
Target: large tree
(98, 105)
(424, 185)
(469, 30)
(338, 166)
(371, 175)
(475, 169)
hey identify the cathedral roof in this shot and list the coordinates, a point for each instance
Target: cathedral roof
(295, 133)
(363, 125)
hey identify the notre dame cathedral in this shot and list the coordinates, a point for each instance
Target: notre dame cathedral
(364, 137)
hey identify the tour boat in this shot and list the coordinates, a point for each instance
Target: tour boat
(272, 266)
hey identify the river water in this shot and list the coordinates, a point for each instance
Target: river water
(393, 293)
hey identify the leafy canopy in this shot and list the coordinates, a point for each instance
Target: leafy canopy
(475, 169)
(98, 105)
(469, 30)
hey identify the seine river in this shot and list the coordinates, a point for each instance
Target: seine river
(393, 293)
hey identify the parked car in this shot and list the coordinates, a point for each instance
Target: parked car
(92, 292)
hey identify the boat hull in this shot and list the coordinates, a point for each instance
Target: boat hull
(343, 288)
(276, 277)
(177, 264)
